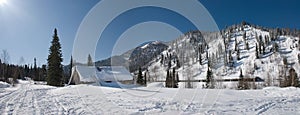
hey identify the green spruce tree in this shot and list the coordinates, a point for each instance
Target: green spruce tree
(35, 71)
(241, 80)
(168, 82)
(55, 70)
(140, 78)
(256, 51)
(238, 54)
(90, 61)
(209, 78)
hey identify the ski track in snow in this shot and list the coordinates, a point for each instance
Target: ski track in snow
(32, 100)
(28, 98)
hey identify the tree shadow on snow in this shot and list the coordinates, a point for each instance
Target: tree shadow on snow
(238, 64)
(285, 52)
(266, 55)
(245, 57)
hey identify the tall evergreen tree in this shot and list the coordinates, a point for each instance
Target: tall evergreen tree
(35, 71)
(276, 47)
(140, 78)
(299, 58)
(247, 46)
(200, 58)
(55, 70)
(260, 43)
(168, 80)
(256, 51)
(293, 78)
(145, 78)
(174, 79)
(238, 54)
(285, 62)
(90, 61)
(263, 48)
(209, 79)
(236, 44)
(241, 82)
(43, 72)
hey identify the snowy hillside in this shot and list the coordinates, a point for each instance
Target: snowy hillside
(29, 98)
(256, 52)
(229, 53)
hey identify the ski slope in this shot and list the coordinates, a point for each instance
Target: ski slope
(29, 98)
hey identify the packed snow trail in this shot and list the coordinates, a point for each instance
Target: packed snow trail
(30, 98)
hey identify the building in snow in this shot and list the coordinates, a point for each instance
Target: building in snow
(105, 76)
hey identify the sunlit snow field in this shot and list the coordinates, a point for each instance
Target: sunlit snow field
(29, 98)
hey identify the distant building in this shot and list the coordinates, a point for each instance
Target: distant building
(105, 76)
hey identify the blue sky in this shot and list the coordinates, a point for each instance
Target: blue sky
(26, 26)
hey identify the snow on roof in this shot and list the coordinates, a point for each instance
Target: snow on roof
(86, 73)
(105, 73)
(113, 73)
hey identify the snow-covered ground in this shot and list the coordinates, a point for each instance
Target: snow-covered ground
(29, 98)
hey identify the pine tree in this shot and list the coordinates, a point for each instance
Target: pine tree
(244, 36)
(247, 46)
(293, 78)
(162, 59)
(256, 51)
(140, 79)
(177, 79)
(177, 63)
(90, 61)
(299, 43)
(260, 43)
(169, 64)
(145, 78)
(35, 71)
(168, 80)
(43, 72)
(200, 58)
(55, 70)
(236, 44)
(230, 59)
(299, 58)
(285, 62)
(174, 79)
(238, 54)
(241, 80)
(263, 47)
(276, 47)
(209, 78)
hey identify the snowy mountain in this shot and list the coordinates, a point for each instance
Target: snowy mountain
(145, 53)
(251, 50)
(137, 57)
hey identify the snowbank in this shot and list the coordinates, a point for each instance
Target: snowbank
(4, 84)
